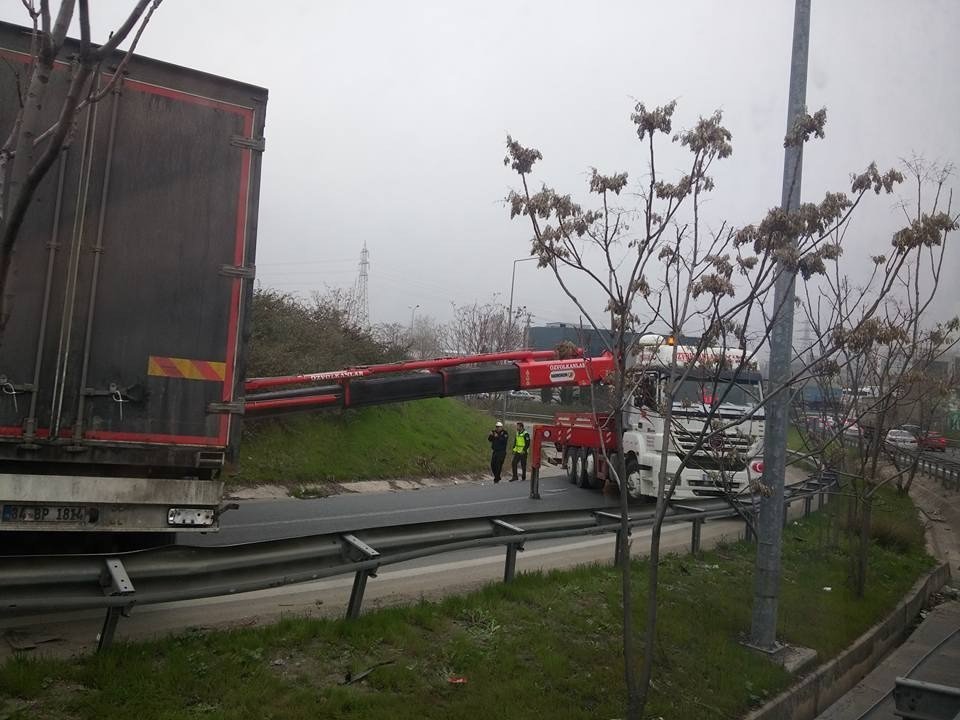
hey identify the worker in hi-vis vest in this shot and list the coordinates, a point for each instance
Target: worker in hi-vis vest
(521, 446)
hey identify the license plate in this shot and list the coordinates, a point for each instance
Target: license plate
(45, 513)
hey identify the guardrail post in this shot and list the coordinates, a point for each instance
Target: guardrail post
(115, 583)
(535, 483)
(748, 535)
(105, 639)
(510, 564)
(697, 525)
(356, 594)
(620, 547)
(695, 536)
(807, 502)
(357, 549)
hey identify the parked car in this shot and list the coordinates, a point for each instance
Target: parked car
(932, 441)
(901, 440)
(521, 395)
(816, 423)
(852, 429)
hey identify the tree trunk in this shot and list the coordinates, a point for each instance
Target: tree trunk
(650, 633)
(634, 704)
(864, 546)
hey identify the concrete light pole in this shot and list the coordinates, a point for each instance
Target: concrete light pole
(766, 590)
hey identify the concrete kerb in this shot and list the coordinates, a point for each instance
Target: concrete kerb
(825, 685)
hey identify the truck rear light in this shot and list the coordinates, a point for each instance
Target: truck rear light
(757, 466)
(190, 517)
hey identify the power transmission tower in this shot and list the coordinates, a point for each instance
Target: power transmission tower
(361, 299)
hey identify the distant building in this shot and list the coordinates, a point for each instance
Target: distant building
(547, 337)
(593, 342)
(938, 368)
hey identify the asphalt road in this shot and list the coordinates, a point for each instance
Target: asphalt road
(428, 578)
(258, 520)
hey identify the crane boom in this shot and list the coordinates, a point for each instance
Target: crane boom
(440, 377)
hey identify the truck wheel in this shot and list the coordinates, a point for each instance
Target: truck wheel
(570, 456)
(632, 481)
(582, 480)
(590, 465)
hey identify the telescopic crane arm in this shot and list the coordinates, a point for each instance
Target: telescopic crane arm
(441, 377)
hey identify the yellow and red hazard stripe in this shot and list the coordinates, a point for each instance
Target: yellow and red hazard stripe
(186, 369)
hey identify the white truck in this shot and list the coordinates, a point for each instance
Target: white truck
(711, 389)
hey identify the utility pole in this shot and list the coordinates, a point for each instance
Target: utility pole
(766, 588)
(513, 280)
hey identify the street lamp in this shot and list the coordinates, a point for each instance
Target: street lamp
(513, 280)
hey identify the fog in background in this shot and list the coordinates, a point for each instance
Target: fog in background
(386, 121)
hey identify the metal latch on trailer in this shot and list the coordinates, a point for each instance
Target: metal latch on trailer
(246, 272)
(232, 408)
(258, 144)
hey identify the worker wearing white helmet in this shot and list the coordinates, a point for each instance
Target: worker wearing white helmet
(498, 439)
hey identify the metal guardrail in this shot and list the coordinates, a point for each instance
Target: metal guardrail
(944, 469)
(918, 700)
(117, 583)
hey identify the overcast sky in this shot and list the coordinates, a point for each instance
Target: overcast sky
(386, 120)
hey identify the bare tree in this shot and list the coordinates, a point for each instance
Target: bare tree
(482, 328)
(426, 338)
(37, 137)
(661, 268)
(883, 361)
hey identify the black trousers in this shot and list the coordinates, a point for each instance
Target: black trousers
(521, 460)
(496, 464)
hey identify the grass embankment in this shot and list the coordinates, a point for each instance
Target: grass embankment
(544, 646)
(426, 438)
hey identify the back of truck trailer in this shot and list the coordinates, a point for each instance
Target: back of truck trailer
(122, 356)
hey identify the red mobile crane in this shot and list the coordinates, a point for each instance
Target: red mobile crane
(442, 377)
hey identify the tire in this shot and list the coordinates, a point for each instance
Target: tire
(633, 487)
(581, 465)
(591, 465)
(571, 454)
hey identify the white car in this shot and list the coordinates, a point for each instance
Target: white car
(901, 439)
(521, 395)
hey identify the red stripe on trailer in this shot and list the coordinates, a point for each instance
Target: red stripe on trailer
(208, 370)
(167, 367)
(239, 259)
(182, 96)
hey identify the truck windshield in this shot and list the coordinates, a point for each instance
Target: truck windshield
(710, 392)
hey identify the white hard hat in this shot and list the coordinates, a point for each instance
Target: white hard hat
(499, 424)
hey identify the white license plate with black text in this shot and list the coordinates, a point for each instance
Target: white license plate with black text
(44, 513)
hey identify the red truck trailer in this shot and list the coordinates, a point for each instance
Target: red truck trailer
(122, 358)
